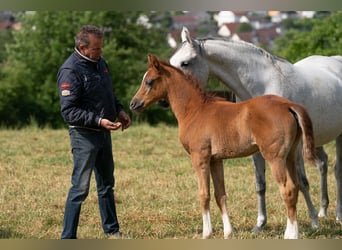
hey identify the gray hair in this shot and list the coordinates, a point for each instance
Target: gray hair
(82, 36)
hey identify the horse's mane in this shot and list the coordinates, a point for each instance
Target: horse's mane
(194, 81)
(246, 44)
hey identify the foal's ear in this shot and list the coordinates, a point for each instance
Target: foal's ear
(153, 61)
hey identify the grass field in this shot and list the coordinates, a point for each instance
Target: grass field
(156, 190)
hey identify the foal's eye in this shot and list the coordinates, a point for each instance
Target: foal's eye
(185, 64)
(149, 82)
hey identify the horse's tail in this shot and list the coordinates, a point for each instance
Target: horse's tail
(304, 121)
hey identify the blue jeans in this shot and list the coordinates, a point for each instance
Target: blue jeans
(92, 151)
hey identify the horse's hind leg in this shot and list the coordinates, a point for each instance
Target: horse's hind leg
(322, 167)
(304, 188)
(217, 174)
(259, 168)
(338, 176)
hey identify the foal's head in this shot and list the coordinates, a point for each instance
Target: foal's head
(153, 86)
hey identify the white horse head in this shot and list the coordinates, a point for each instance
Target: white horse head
(190, 61)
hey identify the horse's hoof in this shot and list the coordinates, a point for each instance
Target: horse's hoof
(314, 223)
(257, 229)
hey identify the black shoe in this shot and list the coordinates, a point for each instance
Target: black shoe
(115, 236)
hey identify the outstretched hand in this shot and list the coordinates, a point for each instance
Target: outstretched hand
(124, 121)
(107, 124)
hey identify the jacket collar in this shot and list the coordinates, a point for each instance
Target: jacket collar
(79, 54)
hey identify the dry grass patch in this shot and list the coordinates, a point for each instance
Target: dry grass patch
(156, 189)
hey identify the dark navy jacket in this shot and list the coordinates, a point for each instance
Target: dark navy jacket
(86, 93)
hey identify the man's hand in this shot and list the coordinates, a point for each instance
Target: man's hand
(107, 124)
(124, 119)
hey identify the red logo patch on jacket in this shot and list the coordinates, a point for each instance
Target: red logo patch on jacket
(65, 85)
(65, 89)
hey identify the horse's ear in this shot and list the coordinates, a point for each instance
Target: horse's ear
(186, 35)
(153, 61)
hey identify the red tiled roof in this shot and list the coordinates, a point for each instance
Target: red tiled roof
(232, 27)
(246, 36)
(240, 12)
(266, 35)
(183, 18)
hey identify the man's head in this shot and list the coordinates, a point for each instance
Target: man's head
(89, 41)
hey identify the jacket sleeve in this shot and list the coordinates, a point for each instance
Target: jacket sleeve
(118, 105)
(73, 111)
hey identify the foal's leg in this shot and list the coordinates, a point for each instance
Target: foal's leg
(304, 188)
(322, 167)
(286, 176)
(338, 176)
(259, 168)
(202, 167)
(217, 174)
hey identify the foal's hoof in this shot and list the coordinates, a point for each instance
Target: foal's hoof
(339, 220)
(322, 212)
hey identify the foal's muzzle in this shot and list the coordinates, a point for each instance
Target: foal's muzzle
(136, 105)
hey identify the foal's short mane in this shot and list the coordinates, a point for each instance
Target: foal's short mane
(194, 81)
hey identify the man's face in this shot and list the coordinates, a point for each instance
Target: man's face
(94, 49)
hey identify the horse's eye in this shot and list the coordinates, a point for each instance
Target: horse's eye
(149, 82)
(185, 64)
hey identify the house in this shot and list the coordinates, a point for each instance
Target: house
(266, 36)
(231, 17)
(228, 29)
(263, 36)
(184, 20)
(264, 26)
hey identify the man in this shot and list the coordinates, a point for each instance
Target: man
(91, 109)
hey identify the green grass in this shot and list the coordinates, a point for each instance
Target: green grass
(156, 189)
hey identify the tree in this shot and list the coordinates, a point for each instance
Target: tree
(28, 88)
(244, 27)
(5, 37)
(321, 36)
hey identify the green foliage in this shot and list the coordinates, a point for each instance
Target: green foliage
(302, 38)
(28, 76)
(244, 27)
(5, 37)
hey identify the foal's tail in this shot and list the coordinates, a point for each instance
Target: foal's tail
(304, 121)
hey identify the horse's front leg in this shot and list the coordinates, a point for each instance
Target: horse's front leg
(259, 168)
(217, 174)
(338, 176)
(201, 165)
(304, 188)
